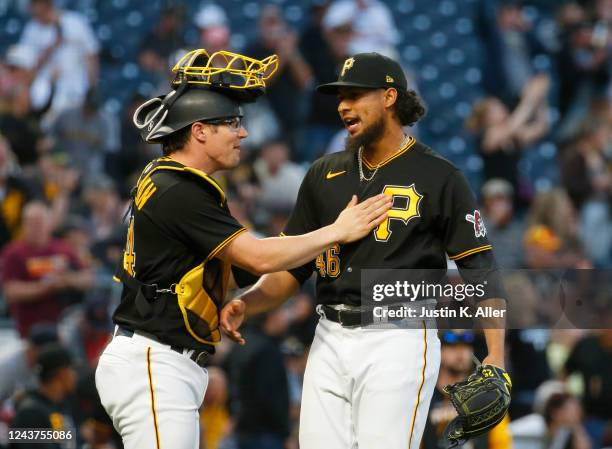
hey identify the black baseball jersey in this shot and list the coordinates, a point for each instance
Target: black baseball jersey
(434, 214)
(180, 221)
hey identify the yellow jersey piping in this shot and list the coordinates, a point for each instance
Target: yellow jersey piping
(469, 252)
(408, 145)
(421, 386)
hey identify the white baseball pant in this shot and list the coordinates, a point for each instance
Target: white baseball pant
(368, 388)
(152, 393)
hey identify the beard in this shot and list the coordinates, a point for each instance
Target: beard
(368, 136)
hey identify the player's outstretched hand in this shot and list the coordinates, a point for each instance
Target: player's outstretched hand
(356, 220)
(232, 316)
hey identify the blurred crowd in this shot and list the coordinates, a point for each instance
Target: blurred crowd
(68, 164)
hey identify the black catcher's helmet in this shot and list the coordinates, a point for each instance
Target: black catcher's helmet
(204, 88)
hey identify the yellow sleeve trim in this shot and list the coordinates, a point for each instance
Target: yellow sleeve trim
(469, 252)
(116, 279)
(224, 243)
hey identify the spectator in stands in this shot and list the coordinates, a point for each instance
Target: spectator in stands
(76, 234)
(256, 369)
(551, 239)
(105, 209)
(563, 416)
(162, 42)
(67, 54)
(509, 45)
(591, 358)
(86, 331)
(14, 193)
(39, 272)
(325, 47)
(57, 181)
(503, 228)
(530, 432)
(125, 165)
(215, 32)
(18, 120)
(279, 178)
(586, 176)
(607, 437)
(87, 134)
(526, 354)
(372, 24)
(296, 356)
(45, 407)
(583, 64)
(17, 360)
(502, 133)
(285, 89)
(95, 426)
(456, 365)
(215, 420)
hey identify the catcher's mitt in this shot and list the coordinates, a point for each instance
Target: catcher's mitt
(481, 402)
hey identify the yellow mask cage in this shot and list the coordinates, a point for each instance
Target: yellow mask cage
(250, 73)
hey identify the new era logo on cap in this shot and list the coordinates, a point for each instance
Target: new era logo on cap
(370, 71)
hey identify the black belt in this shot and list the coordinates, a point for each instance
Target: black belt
(199, 357)
(350, 318)
(358, 317)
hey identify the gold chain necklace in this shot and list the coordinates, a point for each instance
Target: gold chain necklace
(362, 176)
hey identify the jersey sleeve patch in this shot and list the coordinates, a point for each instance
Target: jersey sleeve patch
(478, 223)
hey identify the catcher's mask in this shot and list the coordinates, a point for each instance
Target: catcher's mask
(204, 88)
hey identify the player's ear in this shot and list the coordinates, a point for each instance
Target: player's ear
(199, 132)
(390, 97)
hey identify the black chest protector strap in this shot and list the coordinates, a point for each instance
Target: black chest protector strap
(149, 297)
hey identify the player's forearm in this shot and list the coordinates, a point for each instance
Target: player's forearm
(270, 291)
(283, 253)
(495, 332)
(269, 255)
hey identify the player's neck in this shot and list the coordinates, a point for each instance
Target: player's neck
(389, 144)
(194, 159)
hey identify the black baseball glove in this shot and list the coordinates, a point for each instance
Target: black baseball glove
(481, 401)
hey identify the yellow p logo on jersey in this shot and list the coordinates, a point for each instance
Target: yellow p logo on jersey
(383, 232)
(347, 65)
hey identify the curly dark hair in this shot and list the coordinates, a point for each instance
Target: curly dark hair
(408, 107)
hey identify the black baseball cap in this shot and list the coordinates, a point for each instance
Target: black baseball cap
(370, 71)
